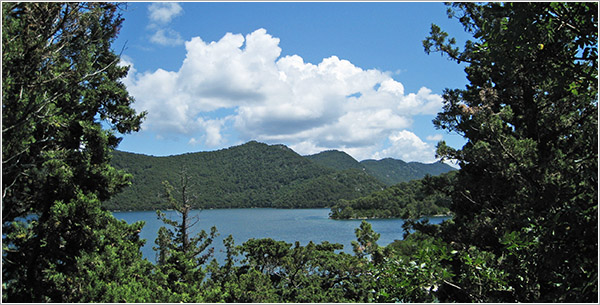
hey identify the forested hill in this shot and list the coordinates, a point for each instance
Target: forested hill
(335, 159)
(413, 199)
(389, 171)
(248, 175)
(392, 171)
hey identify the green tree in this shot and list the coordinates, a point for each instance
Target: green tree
(311, 273)
(413, 199)
(366, 243)
(412, 271)
(180, 257)
(525, 201)
(61, 80)
(114, 273)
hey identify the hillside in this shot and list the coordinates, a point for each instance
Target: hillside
(249, 175)
(392, 171)
(412, 199)
(335, 159)
(389, 171)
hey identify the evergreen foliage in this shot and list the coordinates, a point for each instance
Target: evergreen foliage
(60, 79)
(335, 159)
(524, 202)
(414, 199)
(250, 175)
(180, 256)
(526, 197)
(258, 175)
(389, 171)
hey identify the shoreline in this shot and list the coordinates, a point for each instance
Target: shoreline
(449, 214)
(195, 209)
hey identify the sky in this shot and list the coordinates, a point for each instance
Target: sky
(310, 75)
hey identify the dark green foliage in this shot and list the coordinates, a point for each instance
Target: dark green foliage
(412, 270)
(414, 199)
(114, 272)
(88, 255)
(259, 175)
(325, 190)
(276, 271)
(525, 220)
(249, 175)
(366, 243)
(180, 259)
(389, 171)
(335, 159)
(392, 171)
(526, 197)
(60, 79)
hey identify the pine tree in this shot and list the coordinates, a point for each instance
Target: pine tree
(61, 80)
(180, 257)
(526, 195)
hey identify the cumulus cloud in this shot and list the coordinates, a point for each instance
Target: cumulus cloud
(160, 15)
(409, 147)
(166, 37)
(163, 12)
(311, 107)
(212, 136)
(212, 128)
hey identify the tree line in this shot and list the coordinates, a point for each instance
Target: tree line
(389, 171)
(414, 199)
(524, 202)
(244, 176)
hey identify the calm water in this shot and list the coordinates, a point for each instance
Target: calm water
(289, 225)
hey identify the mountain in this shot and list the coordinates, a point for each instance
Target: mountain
(412, 199)
(335, 159)
(433, 169)
(389, 171)
(392, 171)
(249, 175)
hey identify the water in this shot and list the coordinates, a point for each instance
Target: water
(289, 225)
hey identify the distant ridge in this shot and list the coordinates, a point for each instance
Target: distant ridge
(248, 175)
(389, 171)
(335, 159)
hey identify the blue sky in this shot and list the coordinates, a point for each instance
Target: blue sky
(313, 76)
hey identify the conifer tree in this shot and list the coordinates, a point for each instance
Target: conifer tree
(180, 257)
(526, 198)
(61, 80)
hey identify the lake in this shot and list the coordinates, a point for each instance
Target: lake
(289, 225)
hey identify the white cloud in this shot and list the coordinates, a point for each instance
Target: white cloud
(166, 37)
(164, 12)
(435, 138)
(421, 103)
(409, 147)
(311, 107)
(160, 15)
(307, 148)
(212, 128)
